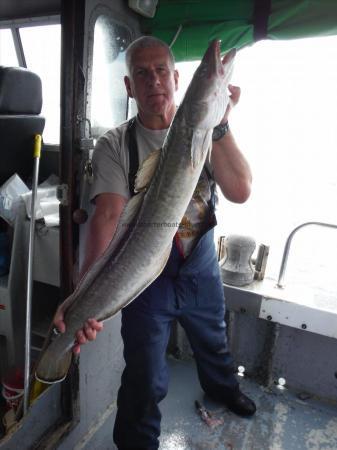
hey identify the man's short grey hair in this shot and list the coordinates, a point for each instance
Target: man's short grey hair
(146, 42)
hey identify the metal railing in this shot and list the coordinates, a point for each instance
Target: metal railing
(280, 282)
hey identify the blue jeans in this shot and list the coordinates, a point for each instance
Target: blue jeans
(191, 292)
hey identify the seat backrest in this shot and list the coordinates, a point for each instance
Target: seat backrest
(20, 106)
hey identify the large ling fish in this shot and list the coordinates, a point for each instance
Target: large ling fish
(142, 243)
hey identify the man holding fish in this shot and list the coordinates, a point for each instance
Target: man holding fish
(188, 287)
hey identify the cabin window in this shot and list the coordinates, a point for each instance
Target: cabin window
(7, 50)
(286, 126)
(41, 53)
(109, 98)
(42, 49)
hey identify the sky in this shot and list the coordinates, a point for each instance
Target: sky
(285, 125)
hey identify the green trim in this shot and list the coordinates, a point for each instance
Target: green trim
(232, 22)
(299, 19)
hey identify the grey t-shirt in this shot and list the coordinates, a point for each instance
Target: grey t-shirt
(111, 169)
(111, 158)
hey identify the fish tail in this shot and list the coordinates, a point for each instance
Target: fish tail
(52, 367)
(55, 359)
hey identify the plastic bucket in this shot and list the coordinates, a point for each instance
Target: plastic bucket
(12, 388)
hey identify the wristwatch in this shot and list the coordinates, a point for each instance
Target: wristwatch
(220, 130)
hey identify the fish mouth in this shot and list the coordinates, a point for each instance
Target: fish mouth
(212, 57)
(213, 51)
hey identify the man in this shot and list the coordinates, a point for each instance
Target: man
(190, 288)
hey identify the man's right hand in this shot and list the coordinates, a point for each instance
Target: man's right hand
(88, 333)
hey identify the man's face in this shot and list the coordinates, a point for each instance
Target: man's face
(152, 81)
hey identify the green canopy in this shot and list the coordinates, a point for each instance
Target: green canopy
(237, 22)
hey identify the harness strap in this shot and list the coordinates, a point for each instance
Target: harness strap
(133, 154)
(212, 184)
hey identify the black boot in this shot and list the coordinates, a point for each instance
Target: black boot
(239, 403)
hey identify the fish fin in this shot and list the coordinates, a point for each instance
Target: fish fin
(146, 171)
(201, 143)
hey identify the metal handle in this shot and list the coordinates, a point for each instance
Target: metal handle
(280, 281)
(36, 155)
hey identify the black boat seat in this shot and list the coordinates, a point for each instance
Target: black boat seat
(20, 120)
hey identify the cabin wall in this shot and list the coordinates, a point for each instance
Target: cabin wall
(27, 434)
(269, 351)
(101, 364)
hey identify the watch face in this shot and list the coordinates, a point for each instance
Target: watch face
(219, 131)
(216, 134)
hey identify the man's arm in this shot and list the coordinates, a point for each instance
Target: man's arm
(231, 169)
(102, 227)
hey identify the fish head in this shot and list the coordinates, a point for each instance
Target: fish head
(206, 98)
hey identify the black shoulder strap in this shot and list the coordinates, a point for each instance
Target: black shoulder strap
(212, 184)
(133, 154)
(208, 173)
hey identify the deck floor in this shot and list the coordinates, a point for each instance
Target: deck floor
(283, 420)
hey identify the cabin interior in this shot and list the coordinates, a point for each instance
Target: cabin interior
(282, 333)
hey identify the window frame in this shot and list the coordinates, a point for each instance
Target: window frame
(15, 25)
(98, 11)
